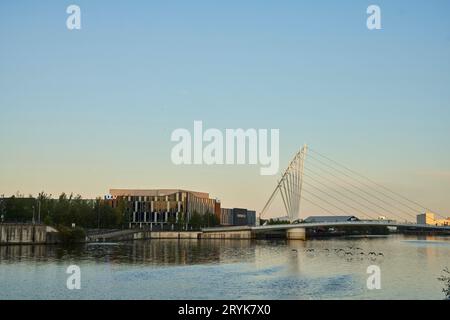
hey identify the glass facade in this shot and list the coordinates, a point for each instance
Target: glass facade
(163, 206)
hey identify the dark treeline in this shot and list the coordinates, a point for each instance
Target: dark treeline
(203, 221)
(274, 221)
(63, 211)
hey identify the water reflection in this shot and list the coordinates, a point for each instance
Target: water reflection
(229, 269)
(156, 252)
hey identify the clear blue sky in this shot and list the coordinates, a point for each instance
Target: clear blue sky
(87, 110)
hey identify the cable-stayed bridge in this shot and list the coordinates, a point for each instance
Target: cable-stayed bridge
(333, 188)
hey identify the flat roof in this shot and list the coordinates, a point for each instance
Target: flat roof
(329, 218)
(153, 192)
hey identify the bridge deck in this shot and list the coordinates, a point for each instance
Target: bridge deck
(279, 227)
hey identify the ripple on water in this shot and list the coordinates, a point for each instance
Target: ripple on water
(228, 270)
(427, 243)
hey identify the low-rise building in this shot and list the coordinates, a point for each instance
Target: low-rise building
(226, 217)
(163, 206)
(429, 218)
(237, 217)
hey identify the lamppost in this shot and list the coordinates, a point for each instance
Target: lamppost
(39, 211)
(98, 215)
(2, 208)
(33, 216)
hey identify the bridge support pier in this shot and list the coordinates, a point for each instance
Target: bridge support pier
(296, 234)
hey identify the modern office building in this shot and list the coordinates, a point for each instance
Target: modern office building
(251, 217)
(226, 217)
(429, 218)
(237, 217)
(163, 206)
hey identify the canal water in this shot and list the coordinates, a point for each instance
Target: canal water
(230, 269)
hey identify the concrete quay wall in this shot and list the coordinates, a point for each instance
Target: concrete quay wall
(167, 235)
(243, 234)
(145, 235)
(16, 233)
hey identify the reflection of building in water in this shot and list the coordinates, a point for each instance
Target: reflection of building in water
(25, 252)
(163, 206)
(174, 252)
(191, 252)
(151, 252)
(431, 249)
(429, 218)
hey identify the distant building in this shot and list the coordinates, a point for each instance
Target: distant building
(425, 218)
(251, 217)
(226, 217)
(217, 211)
(429, 218)
(237, 217)
(319, 219)
(163, 206)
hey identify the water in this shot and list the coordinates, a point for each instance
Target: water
(220, 269)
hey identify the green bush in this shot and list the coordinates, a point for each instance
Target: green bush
(445, 278)
(71, 235)
(64, 210)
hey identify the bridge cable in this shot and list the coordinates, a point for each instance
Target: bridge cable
(317, 205)
(340, 193)
(355, 193)
(379, 185)
(362, 190)
(340, 201)
(320, 198)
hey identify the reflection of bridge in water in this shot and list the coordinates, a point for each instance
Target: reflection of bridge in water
(331, 187)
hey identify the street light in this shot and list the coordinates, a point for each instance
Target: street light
(2, 208)
(33, 215)
(98, 215)
(39, 211)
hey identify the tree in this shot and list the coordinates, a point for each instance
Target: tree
(2, 209)
(65, 210)
(196, 220)
(274, 222)
(19, 209)
(181, 221)
(210, 220)
(122, 217)
(445, 278)
(44, 204)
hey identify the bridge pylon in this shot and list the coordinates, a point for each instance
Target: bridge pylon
(290, 187)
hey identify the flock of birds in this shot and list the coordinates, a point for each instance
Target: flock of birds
(349, 253)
